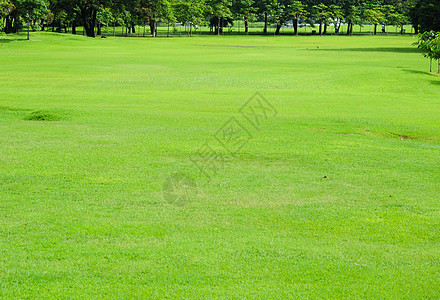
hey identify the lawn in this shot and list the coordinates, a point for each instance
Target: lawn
(337, 196)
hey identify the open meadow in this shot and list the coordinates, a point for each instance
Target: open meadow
(337, 196)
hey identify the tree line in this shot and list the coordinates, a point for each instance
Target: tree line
(93, 15)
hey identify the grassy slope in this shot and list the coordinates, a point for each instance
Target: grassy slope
(81, 207)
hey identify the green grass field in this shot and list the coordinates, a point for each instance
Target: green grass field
(335, 197)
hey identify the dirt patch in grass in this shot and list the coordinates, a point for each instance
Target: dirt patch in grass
(407, 137)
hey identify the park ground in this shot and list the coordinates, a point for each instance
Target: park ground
(335, 197)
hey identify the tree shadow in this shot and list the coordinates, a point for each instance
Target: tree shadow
(435, 82)
(8, 40)
(424, 73)
(417, 72)
(379, 49)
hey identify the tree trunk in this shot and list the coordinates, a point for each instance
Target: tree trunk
(98, 29)
(90, 30)
(9, 27)
(153, 28)
(320, 27)
(325, 29)
(28, 26)
(133, 29)
(265, 23)
(348, 27)
(277, 31)
(218, 26)
(89, 20)
(375, 29)
(246, 26)
(295, 26)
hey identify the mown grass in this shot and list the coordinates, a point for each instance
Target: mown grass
(336, 197)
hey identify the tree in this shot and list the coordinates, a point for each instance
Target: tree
(321, 12)
(336, 16)
(155, 11)
(397, 19)
(276, 11)
(353, 17)
(70, 9)
(373, 15)
(13, 12)
(220, 12)
(189, 11)
(88, 11)
(425, 15)
(29, 11)
(126, 19)
(245, 9)
(389, 13)
(6, 8)
(60, 20)
(434, 49)
(429, 43)
(298, 11)
(171, 18)
(119, 14)
(403, 9)
(262, 7)
(104, 17)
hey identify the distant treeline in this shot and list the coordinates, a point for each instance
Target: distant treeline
(93, 15)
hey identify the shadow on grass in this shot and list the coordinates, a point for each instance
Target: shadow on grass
(417, 72)
(435, 74)
(380, 49)
(8, 40)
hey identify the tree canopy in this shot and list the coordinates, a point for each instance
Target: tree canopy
(93, 14)
(425, 15)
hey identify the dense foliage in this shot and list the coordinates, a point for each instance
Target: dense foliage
(94, 14)
(426, 15)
